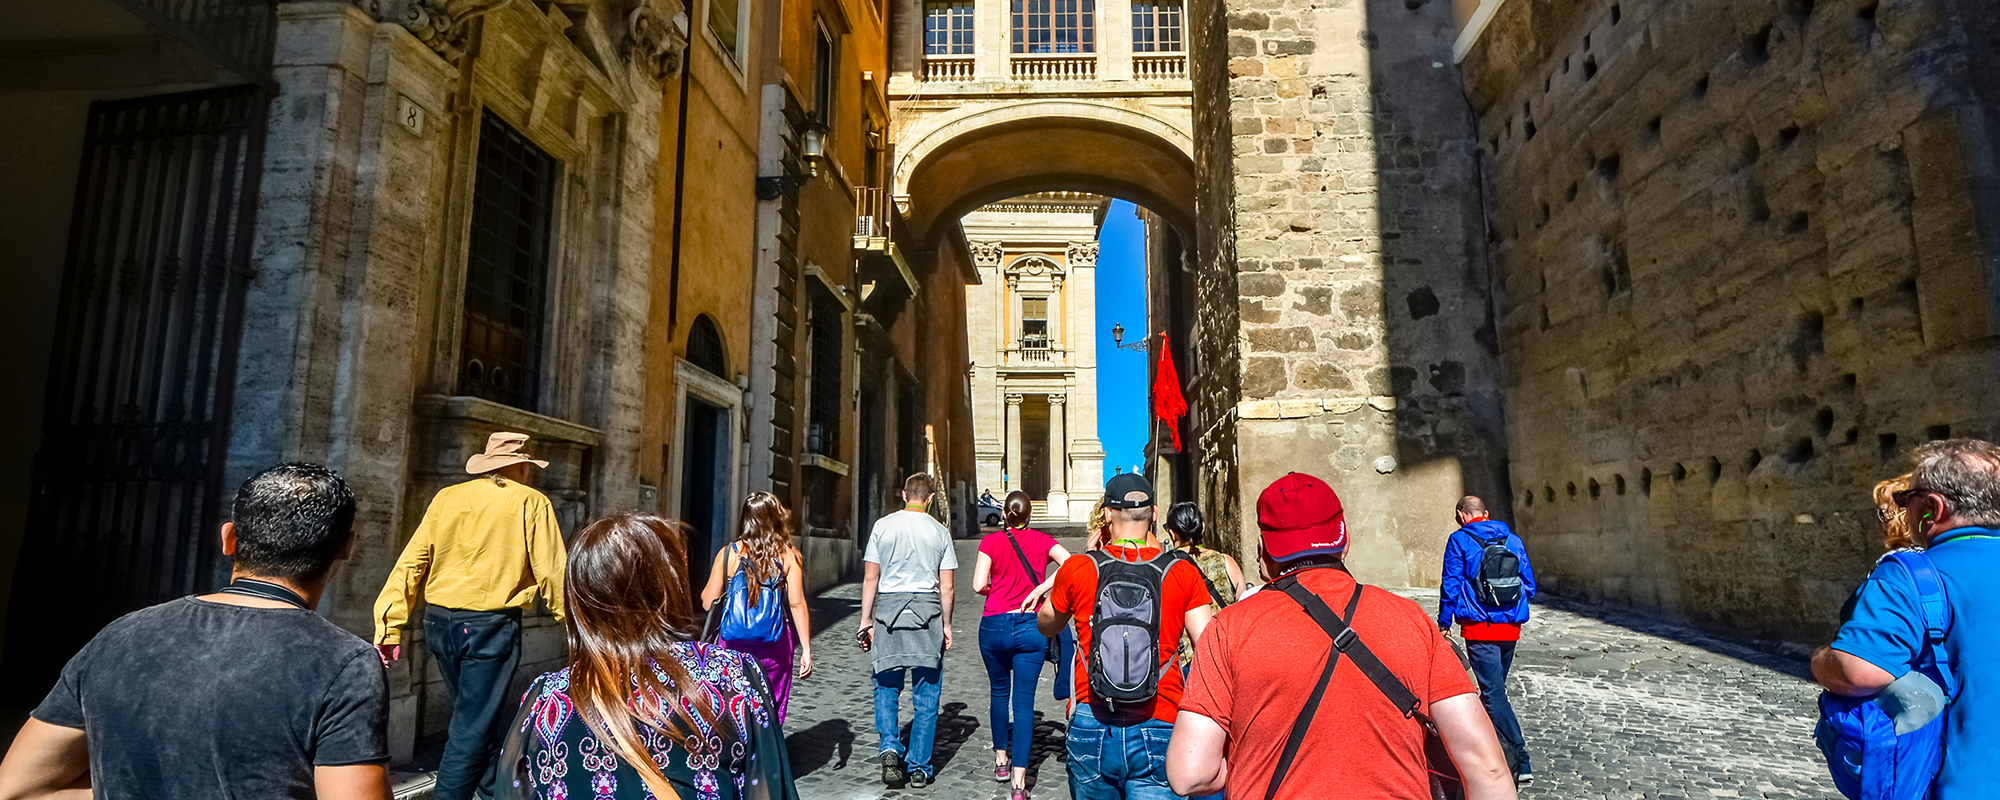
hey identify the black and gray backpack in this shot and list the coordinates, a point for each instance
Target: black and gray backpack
(1498, 582)
(1124, 663)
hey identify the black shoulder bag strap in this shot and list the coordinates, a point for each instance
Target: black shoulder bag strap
(1024, 557)
(1290, 586)
(1445, 780)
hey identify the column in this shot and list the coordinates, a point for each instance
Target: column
(1013, 441)
(1058, 448)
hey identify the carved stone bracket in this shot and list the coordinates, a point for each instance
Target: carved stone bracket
(986, 254)
(1083, 254)
(654, 43)
(441, 24)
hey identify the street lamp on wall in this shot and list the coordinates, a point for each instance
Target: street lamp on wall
(812, 150)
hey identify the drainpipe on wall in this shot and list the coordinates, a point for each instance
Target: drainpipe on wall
(680, 200)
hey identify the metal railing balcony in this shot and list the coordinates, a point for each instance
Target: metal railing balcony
(237, 34)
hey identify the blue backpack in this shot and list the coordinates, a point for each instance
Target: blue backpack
(742, 622)
(1870, 758)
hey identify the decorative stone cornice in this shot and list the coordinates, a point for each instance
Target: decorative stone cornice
(441, 24)
(654, 44)
(986, 254)
(1083, 254)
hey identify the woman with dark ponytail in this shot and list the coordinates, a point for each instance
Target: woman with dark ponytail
(1225, 579)
(1012, 563)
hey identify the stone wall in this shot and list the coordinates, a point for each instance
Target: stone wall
(1743, 255)
(1362, 344)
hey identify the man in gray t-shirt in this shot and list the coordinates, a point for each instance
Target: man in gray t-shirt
(906, 621)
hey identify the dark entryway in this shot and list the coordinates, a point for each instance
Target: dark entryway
(1035, 447)
(128, 495)
(705, 471)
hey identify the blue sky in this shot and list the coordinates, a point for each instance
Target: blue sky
(1122, 402)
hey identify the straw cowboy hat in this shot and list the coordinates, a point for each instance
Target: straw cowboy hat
(502, 449)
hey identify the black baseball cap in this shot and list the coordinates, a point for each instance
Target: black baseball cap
(1126, 483)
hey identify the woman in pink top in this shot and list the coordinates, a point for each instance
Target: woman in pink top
(1012, 562)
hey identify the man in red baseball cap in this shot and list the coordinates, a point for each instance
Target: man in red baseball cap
(1269, 691)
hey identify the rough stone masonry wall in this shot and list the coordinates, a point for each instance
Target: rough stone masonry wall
(1364, 351)
(1742, 270)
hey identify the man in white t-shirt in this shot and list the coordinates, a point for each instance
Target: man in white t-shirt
(906, 622)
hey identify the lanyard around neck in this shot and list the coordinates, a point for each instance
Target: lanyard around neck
(251, 587)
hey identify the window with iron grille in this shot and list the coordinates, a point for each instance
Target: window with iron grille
(507, 268)
(705, 348)
(1055, 26)
(1034, 322)
(1156, 27)
(948, 29)
(823, 416)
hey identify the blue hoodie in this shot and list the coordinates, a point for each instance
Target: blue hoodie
(1458, 601)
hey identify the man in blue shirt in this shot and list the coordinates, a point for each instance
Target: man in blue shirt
(1491, 631)
(1953, 504)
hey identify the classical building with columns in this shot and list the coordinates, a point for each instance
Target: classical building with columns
(1032, 332)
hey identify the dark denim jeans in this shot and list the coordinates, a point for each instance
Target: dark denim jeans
(1118, 762)
(477, 652)
(923, 725)
(1490, 662)
(1012, 648)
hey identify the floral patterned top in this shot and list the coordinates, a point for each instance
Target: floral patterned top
(556, 756)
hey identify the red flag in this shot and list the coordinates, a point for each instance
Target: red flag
(1168, 405)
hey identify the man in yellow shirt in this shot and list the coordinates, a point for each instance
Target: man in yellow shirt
(484, 549)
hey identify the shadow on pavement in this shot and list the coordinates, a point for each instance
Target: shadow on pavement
(1788, 658)
(830, 741)
(954, 729)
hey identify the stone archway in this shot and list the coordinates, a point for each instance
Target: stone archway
(957, 161)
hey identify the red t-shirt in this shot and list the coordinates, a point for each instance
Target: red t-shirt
(1259, 660)
(1181, 590)
(1011, 582)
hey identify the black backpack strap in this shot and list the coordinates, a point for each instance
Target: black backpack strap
(1024, 556)
(1290, 586)
(1214, 596)
(1357, 651)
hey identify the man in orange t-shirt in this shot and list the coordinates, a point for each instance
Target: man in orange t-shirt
(1262, 658)
(1118, 751)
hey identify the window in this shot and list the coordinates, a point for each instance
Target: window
(826, 65)
(823, 419)
(1156, 27)
(507, 268)
(705, 347)
(725, 22)
(1055, 26)
(948, 28)
(1034, 322)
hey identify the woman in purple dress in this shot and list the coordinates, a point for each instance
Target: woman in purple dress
(764, 554)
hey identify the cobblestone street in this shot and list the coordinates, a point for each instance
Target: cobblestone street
(1615, 706)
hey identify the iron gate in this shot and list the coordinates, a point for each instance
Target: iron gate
(127, 495)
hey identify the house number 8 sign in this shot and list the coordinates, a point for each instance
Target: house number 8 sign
(410, 114)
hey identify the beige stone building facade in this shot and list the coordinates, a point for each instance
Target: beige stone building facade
(1032, 332)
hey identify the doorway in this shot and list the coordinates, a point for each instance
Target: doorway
(1035, 446)
(705, 472)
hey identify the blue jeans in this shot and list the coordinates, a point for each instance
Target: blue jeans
(923, 729)
(1490, 662)
(1118, 762)
(1012, 648)
(476, 653)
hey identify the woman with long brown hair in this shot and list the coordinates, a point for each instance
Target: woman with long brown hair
(641, 711)
(762, 566)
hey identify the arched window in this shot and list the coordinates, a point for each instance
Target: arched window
(705, 348)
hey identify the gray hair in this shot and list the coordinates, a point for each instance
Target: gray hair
(1965, 472)
(1140, 514)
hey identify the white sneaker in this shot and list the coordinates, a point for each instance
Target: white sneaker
(1524, 778)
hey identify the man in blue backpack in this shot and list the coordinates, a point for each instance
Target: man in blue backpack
(1486, 588)
(1953, 505)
